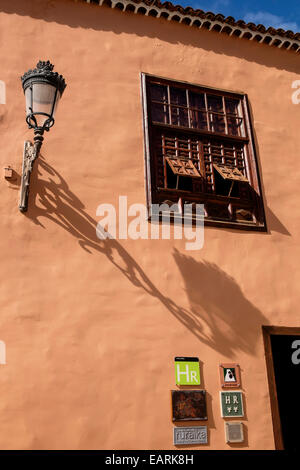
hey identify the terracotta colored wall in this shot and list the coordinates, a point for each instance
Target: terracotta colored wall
(92, 327)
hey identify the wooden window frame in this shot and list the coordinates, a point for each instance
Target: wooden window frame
(267, 332)
(156, 194)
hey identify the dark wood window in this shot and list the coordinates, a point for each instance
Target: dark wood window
(199, 148)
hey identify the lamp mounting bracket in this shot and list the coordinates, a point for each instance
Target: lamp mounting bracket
(31, 152)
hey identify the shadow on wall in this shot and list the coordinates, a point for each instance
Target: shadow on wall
(272, 222)
(89, 16)
(219, 312)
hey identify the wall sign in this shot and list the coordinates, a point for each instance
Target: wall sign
(195, 435)
(230, 375)
(187, 371)
(188, 405)
(231, 404)
(234, 431)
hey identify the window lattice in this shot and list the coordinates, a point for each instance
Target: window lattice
(204, 111)
(221, 153)
(203, 153)
(178, 147)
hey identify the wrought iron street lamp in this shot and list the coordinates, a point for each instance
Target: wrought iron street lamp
(43, 89)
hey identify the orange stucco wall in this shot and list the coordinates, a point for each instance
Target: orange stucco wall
(91, 327)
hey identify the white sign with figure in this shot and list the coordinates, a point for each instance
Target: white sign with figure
(230, 375)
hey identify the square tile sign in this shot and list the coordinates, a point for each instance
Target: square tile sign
(187, 371)
(234, 431)
(188, 405)
(230, 375)
(195, 435)
(231, 404)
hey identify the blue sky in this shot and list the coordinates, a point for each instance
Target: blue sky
(277, 13)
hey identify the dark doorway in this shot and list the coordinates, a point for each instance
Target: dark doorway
(283, 361)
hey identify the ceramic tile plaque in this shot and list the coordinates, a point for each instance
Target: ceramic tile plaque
(195, 435)
(187, 371)
(231, 404)
(188, 405)
(230, 375)
(234, 431)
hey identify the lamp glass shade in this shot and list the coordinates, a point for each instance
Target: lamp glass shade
(41, 102)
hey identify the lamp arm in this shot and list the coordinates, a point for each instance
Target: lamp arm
(31, 153)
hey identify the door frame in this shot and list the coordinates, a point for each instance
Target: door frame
(267, 332)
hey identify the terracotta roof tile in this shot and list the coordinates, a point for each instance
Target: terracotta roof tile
(215, 22)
